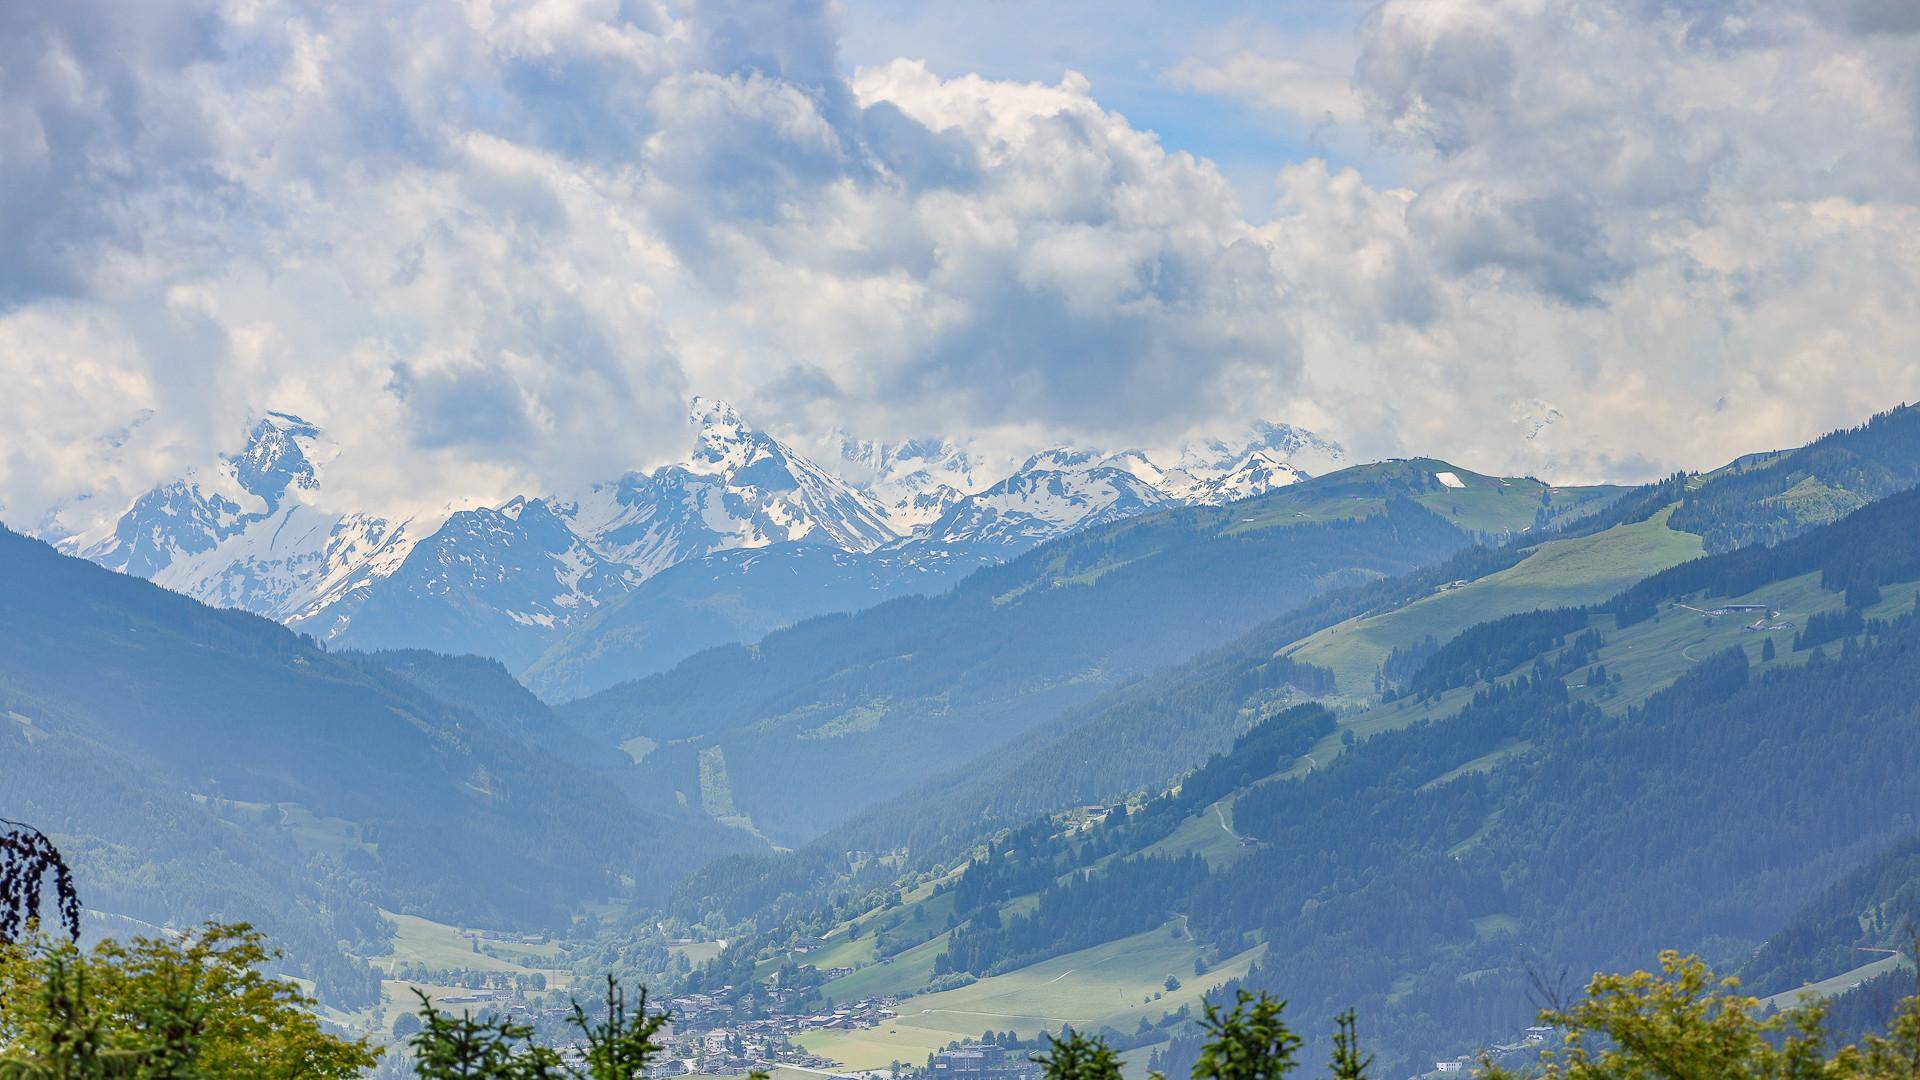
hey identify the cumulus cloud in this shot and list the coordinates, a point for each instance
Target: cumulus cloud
(1690, 226)
(494, 246)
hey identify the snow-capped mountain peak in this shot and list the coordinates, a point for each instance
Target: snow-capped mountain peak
(913, 480)
(1257, 472)
(244, 530)
(283, 452)
(249, 529)
(723, 442)
(1262, 457)
(1535, 417)
(1141, 467)
(193, 515)
(1054, 492)
(738, 488)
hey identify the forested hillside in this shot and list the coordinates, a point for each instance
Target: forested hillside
(735, 596)
(211, 762)
(1765, 498)
(1868, 916)
(1567, 789)
(817, 722)
(1138, 735)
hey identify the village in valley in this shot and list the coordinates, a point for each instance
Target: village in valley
(704, 1037)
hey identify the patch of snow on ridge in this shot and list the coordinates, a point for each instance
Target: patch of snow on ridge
(1448, 479)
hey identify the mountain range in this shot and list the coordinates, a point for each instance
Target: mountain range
(531, 580)
(1393, 736)
(820, 720)
(1676, 716)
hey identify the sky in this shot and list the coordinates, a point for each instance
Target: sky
(494, 246)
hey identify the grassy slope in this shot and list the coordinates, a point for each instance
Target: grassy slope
(1206, 834)
(902, 975)
(1107, 985)
(699, 952)
(441, 947)
(1563, 572)
(1644, 658)
(1560, 573)
(1647, 657)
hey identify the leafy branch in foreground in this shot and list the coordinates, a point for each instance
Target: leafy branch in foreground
(195, 1005)
(1684, 1022)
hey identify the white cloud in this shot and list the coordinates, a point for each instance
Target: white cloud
(493, 246)
(1316, 88)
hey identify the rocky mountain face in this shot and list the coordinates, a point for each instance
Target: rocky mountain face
(247, 533)
(514, 581)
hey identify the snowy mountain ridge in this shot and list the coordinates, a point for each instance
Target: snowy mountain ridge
(244, 533)
(506, 580)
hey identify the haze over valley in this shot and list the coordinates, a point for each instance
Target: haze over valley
(861, 540)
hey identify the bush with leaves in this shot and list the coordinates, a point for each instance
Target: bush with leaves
(195, 1005)
(1685, 1022)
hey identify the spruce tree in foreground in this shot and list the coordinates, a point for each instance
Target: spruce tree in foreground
(1251, 1042)
(463, 1047)
(620, 1046)
(1078, 1057)
(1347, 1063)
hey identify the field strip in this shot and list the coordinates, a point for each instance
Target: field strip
(1003, 1016)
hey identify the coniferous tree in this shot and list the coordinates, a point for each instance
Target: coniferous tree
(1073, 1056)
(1248, 1042)
(1348, 1063)
(463, 1047)
(621, 1045)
